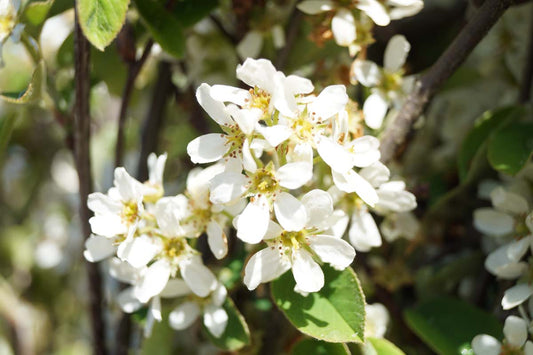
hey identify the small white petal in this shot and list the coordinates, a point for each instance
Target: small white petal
(227, 187)
(264, 266)
(396, 53)
(198, 277)
(216, 238)
(184, 315)
(517, 249)
(257, 72)
(508, 201)
(290, 212)
(129, 189)
(246, 119)
(313, 7)
(275, 135)
(297, 85)
(141, 250)
(353, 182)
(103, 204)
(219, 294)
(334, 155)
(295, 175)
(127, 301)
(226, 93)
(376, 174)
(332, 250)
(406, 11)
(318, 206)
(499, 264)
(98, 248)
(484, 344)
(153, 281)
(365, 151)
(492, 222)
(253, 221)
(215, 109)
(207, 148)
(215, 319)
(375, 108)
(274, 230)
(366, 72)
(528, 348)
(278, 36)
(329, 102)
(307, 273)
(516, 295)
(175, 288)
(515, 330)
(108, 225)
(123, 271)
(364, 233)
(375, 10)
(377, 320)
(343, 27)
(250, 45)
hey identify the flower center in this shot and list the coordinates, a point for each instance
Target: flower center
(234, 139)
(260, 99)
(130, 211)
(265, 182)
(293, 240)
(174, 247)
(391, 81)
(7, 22)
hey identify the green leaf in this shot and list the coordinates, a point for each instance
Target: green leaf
(448, 325)
(384, 347)
(478, 135)
(335, 314)
(236, 334)
(35, 90)
(189, 12)
(101, 20)
(510, 148)
(163, 26)
(316, 347)
(35, 12)
(7, 123)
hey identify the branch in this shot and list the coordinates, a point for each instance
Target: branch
(133, 71)
(154, 118)
(426, 87)
(525, 88)
(295, 18)
(82, 122)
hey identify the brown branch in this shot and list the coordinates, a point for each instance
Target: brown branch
(426, 87)
(133, 71)
(295, 19)
(154, 118)
(525, 88)
(82, 122)
(218, 24)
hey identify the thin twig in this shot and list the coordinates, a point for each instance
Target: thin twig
(295, 19)
(218, 24)
(525, 88)
(133, 71)
(444, 67)
(154, 118)
(82, 124)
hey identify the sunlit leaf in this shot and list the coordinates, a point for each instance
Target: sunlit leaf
(236, 334)
(35, 12)
(336, 313)
(384, 347)
(101, 20)
(317, 347)
(35, 90)
(511, 147)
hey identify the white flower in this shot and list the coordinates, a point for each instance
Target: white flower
(377, 320)
(389, 85)
(153, 188)
(516, 334)
(215, 316)
(295, 243)
(397, 225)
(8, 22)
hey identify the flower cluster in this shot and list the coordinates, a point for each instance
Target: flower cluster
(288, 170)
(9, 26)
(509, 224)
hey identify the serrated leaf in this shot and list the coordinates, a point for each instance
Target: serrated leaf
(35, 12)
(35, 90)
(163, 26)
(101, 20)
(510, 148)
(448, 325)
(335, 314)
(478, 135)
(236, 335)
(384, 347)
(316, 347)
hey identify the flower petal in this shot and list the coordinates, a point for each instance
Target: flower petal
(396, 52)
(318, 206)
(375, 10)
(207, 148)
(353, 182)
(215, 109)
(141, 250)
(364, 233)
(334, 155)
(253, 221)
(376, 174)
(198, 277)
(366, 72)
(216, 238)
(127, 301)
(484, 344)
(153, 281)
(98, 248)
(365, 151)
(290, 212)
(175, 288)
(489, 221)
(329, 102)
(215, 320)
(332, 250)
(510, 202)
(516, 295)
(307, 273)
(313, 7)
(375, 108)
(264, 266)
(184, 315)
(343, 27)
(226, 93)
(250, 45)
(227, 187)
(295, 175)
(515, 330)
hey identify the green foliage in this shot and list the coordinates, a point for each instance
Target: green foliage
(236, 334)
(101, 20)
(35, 90)
(448, 325)
(163, 26)
(7, 122)
(316, 347)
(189, 12)
(384, 347)
(336, 313)
(484, 126)
(35, 12)
(510, 148)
